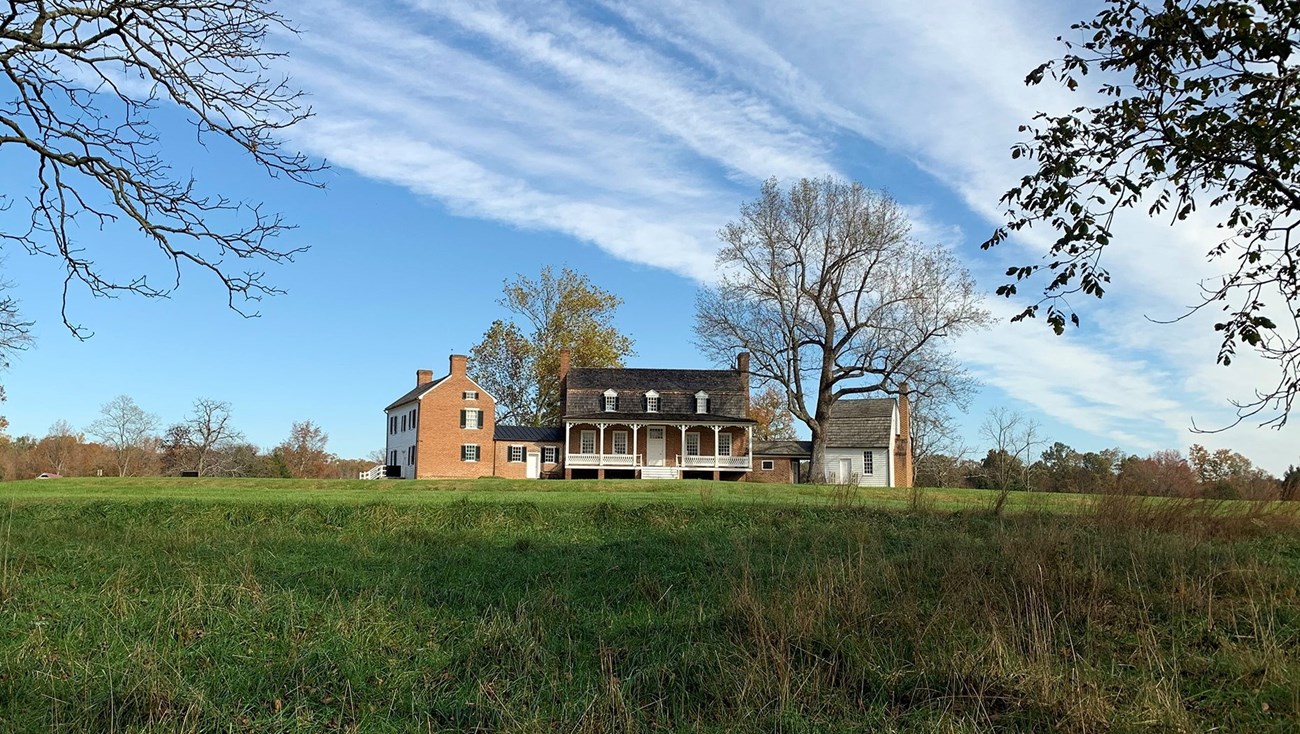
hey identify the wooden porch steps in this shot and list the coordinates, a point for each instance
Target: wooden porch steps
(660, 472)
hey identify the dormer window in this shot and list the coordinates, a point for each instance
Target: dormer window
(701, 402)
(652, 402)
(611, 401)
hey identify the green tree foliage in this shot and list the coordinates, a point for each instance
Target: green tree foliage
(1198, 111)
(833, 298)
(1226, 474)
(519, 363)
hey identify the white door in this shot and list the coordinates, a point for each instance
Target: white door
(534, 466)
(654, 446)
(846, 470)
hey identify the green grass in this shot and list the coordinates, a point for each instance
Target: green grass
(492, 605)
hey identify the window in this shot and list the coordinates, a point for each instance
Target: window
(724, 444)
(470, 395)
(620, 442)
(587, 444)
(469, 452)
(392, 424)
(701, 402)
(411, 421)
(403, 422)
(550, 455)
(392, 457)
(410, 455)
(692, 444)
(471, 418)
(767, 465)
(868, 462)
(516, 453)
(611, 401)
(652, 402)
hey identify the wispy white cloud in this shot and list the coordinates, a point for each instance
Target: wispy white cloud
(639, 126)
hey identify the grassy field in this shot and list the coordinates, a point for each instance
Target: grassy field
(490, 605)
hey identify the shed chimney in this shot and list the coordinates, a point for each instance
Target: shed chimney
(903, 443)
(458, 362)
(564, 382)
(423, 377)
(742, 366)
(564, 365)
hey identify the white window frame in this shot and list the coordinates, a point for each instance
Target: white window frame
(473, 419)
(719, 448)
(469, 395)
(469, 452)
(701, 402)
(652, 402)
(611, 401)
(583, 437)
(553, 452)
(767, 465)
(619, 435)
(510, 454)
(868, 462)
(695, 435)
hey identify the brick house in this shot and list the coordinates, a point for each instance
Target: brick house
(630, 422)
(656, 423)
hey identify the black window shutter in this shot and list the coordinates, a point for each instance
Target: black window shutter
(480, 418)
(462, 419)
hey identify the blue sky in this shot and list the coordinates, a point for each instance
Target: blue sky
(471, 141)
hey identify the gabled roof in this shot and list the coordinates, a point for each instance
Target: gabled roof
(794, 449)
(642, 379)
(863, 423)
(415, 393)
(529, 433)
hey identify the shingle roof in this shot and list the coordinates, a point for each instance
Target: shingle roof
(864, 423)
(798, 449)
(643, 418)
(636, 378)
(528, 433)
(416, 392)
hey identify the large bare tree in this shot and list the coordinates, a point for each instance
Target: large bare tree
(204, 436)
(825, 287)
(80, 84)
(126, 429)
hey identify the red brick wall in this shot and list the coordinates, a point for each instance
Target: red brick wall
(438, 449)
(782, 471)
(503, 467)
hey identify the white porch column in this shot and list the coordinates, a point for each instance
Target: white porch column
(716, 431)
(749, 445)
(635, 428)
(681, 458)
(601, 460)
(567, 428)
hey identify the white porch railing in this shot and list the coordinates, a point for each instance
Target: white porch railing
(375, 473)
(714, 462)
(597, 461)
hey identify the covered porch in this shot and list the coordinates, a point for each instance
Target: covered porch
(658, 450)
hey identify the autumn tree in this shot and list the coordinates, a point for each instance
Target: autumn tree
(127, 430)
(1226, 474)
(79, 86)
(1164, 474)
(303, 453)
(774, 421)
(60, 448)
(519, 362)
(825, 287)
(1196, 110)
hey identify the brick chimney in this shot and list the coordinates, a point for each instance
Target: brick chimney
(742, 366)
(903, 442)
(564, 381)
(423, 377)
(458, 362)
